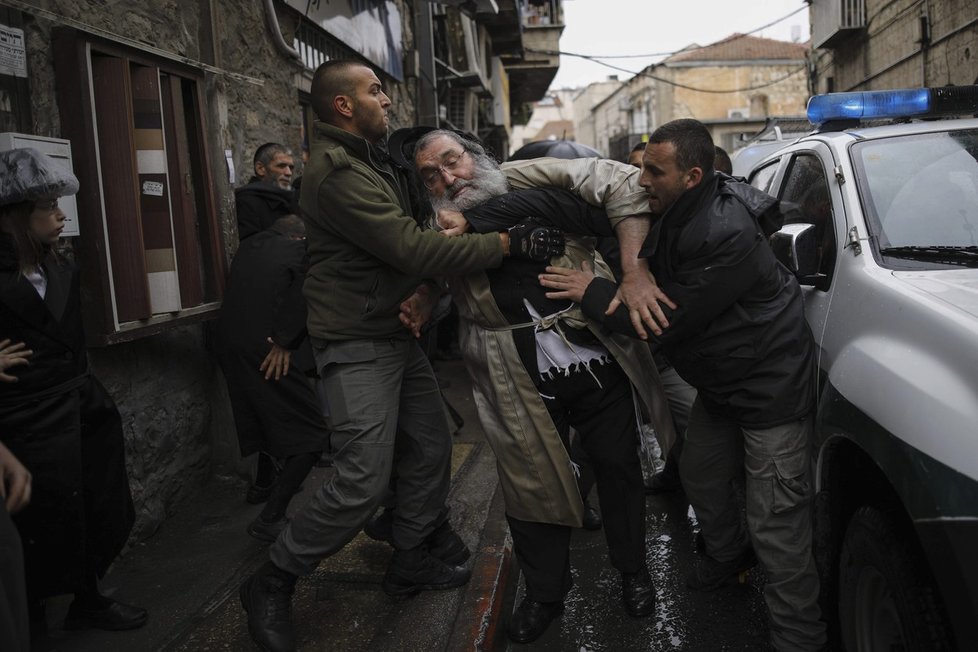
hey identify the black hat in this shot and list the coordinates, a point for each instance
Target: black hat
(401, 143)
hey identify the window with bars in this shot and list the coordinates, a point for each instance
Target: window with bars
(149, 250)
(316, 47)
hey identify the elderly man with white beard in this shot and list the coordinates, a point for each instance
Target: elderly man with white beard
(539, 368)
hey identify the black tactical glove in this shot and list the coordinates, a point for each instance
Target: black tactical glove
(531, 241)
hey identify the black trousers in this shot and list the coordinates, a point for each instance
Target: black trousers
(14, 630)
(604, 418)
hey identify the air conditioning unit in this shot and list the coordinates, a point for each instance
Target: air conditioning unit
(834, 21)
(463, 109)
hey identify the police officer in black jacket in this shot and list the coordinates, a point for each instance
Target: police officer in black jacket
(740, 338)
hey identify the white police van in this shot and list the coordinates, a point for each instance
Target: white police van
(770, 139)
(881, 205)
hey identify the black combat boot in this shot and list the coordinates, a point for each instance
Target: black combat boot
(267, 599)
(415, 570)
(445, 544)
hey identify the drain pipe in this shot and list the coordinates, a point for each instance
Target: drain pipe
(276, 31)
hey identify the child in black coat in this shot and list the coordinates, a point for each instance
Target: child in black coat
(57, 418)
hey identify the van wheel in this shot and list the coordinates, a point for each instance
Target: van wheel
(887, 598)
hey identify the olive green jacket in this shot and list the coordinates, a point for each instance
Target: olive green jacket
(366, 252)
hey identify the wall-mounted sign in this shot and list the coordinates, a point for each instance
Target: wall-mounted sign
(154, 188)
(230, 161)
(371, 27)
(13, 54)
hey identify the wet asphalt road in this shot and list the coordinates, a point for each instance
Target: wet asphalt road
(732, 618)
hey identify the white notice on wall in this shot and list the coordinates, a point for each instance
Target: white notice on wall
(230, 159)
(13, 57)
(154, 188)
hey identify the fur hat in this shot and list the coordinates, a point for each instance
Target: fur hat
(28, 175)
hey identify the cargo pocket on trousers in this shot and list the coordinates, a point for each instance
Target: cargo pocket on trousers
(792, 485)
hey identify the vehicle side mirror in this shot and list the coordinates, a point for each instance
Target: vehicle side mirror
(795, 246)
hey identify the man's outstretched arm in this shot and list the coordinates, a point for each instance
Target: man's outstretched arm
(595, 294)
(613, 186)
(638, 290)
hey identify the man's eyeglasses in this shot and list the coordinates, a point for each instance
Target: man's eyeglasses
(431, 176)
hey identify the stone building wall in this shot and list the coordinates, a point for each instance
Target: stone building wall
(404, 95)
(783, 86)
(249, 114)
(609, 118)
(888, 53)
(175, 418)
(584, 120)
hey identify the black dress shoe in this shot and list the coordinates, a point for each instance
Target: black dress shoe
(112, 616)
(638, 593)
(663, 482)
(531, 619)
(592, 520)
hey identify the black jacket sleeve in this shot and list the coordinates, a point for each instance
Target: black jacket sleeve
(713, 268)
(550, 206)
(711, 280)
(290, 307)
(249, 218)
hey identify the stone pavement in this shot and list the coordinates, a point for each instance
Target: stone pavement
(188, 574)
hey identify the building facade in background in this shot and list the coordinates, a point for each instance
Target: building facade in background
(733, 86)
(864, 45)
(584, 101)
(552, 118)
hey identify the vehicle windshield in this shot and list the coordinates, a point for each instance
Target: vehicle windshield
(921, 192)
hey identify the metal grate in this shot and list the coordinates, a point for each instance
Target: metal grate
(316, 47)
(835, 20)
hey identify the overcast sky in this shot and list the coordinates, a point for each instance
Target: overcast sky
(633, 27)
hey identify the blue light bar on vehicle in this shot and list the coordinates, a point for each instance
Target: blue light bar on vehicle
(907, 103)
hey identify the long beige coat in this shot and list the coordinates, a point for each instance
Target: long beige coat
(535, 470)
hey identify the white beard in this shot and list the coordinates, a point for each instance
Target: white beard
(488, 182)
